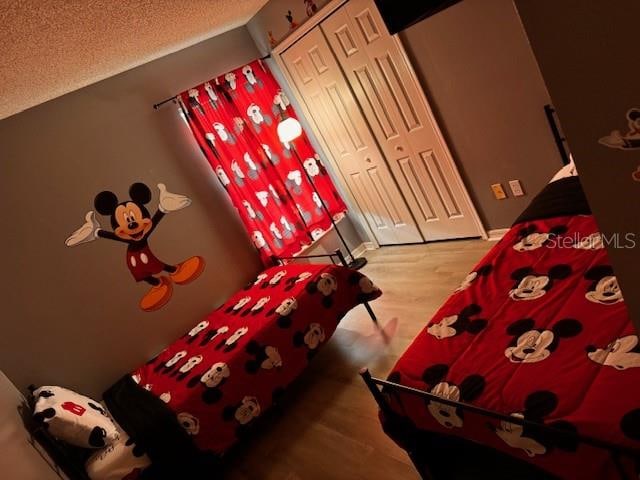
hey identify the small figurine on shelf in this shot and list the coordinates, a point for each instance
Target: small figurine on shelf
(272, 41)
(289, 17)
(311, 7)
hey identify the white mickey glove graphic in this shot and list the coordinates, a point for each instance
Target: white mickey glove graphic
(88, 232)
(172, 202)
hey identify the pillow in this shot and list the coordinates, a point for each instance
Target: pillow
(120, 460)
(73, 418)
(569, 170)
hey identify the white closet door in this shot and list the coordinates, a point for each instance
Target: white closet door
(398, 113)
(325, 91)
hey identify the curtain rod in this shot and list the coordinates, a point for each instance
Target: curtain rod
(156, 106)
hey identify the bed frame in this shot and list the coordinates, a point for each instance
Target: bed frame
(420, 444)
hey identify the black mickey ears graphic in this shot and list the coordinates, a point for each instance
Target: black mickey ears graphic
(97, 436)
(521, 326)
(598, 272)
(540, 404)
(40, 417)
(140, 193)
(630, 424)
(567, 328)
(472, 387)
(559, 272)
(106, 203)
(520, 273)
(435, 374)
(484, 270)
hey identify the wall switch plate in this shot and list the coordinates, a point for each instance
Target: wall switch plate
(516, 188)
(498, 191)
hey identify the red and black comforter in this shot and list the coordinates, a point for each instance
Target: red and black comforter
(228, 369)
(538, 330)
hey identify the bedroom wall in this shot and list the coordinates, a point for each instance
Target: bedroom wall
(586, 51)
(484, 85)
(70, 315)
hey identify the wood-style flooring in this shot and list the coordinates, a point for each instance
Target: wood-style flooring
(327, 426)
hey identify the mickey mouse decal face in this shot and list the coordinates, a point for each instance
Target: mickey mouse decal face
(622, 353)
(469, 390)
(531, 239)
(531, 345)
(532, 285)
(455, 324)
(534, 441)
(604, 289)
(133, 224)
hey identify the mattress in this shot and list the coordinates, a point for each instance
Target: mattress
(538, 330)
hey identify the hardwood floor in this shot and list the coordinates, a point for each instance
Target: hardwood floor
(327, 426)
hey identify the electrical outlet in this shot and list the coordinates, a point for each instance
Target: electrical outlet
(498, 191)
(516, 188)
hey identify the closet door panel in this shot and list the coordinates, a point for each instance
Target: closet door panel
(398, 114)
(326, 92)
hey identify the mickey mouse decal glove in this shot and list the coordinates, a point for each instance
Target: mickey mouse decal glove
(172, 202)
(88, 232)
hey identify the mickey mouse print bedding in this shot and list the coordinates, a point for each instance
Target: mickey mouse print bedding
(538, 330)
(222, 375)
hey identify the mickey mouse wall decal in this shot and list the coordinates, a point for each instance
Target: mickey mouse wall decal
(133, 224)
(625, 141)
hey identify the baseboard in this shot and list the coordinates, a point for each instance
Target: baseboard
(497, 234)
(363, 247)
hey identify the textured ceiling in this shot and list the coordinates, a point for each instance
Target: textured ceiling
(51, 47)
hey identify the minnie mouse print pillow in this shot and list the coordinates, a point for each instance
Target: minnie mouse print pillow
(73, 418)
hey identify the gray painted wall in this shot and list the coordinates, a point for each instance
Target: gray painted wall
(483, 82)
(586, 52)
(70, 315)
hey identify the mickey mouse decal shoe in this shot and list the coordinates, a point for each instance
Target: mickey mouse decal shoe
(188, 270)
(158, 295)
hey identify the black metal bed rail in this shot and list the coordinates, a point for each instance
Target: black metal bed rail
(615, 450)
(332, 256)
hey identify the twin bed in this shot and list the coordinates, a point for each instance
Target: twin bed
(184, 409)
(533, 356)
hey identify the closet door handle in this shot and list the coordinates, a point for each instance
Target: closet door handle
(399, 148)
(367, 159)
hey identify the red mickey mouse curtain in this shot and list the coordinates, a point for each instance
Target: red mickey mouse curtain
(234, 118)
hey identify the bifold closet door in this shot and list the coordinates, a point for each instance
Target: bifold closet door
(324, 89)
(397, 111)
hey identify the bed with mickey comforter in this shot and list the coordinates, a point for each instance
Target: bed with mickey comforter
(537, 331)
(209, 387)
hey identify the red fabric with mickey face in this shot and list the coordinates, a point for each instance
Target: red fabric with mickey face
(541, 331)
(229, 368)
(235, 118)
